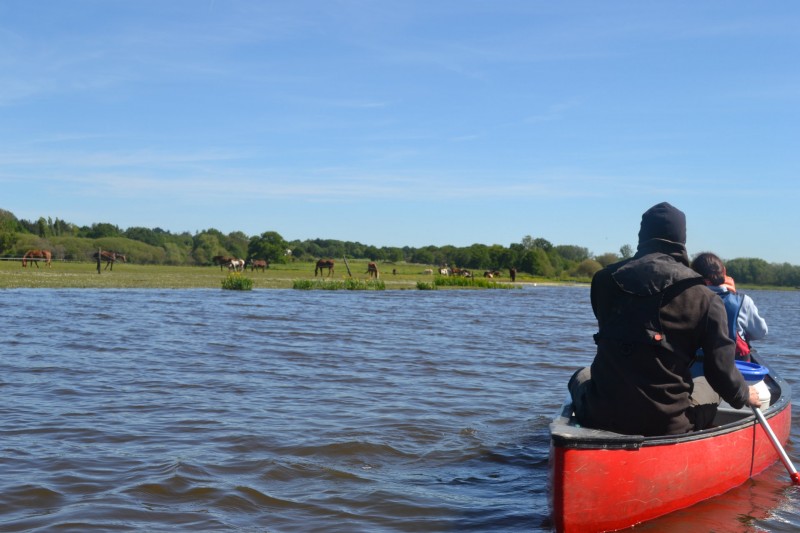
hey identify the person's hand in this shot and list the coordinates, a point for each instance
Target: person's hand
(754, 401)
(729, 284)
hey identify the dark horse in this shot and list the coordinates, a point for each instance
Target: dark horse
(35, 255)
(372, 269)
(324, 263)
(110, 258)
(222, 260)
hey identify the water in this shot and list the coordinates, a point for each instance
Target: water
(272, 410)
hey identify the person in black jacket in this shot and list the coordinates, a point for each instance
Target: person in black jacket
(653, 314)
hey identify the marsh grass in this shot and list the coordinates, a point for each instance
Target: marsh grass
(237, 282)
(397, 276)
(471, 283)
(349, 284)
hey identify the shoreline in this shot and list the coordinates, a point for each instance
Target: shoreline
(73, 275)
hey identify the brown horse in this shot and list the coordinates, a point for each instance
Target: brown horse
(255, 264)
(110, 258)
(35, 255)
(324, 263)
(372, 269)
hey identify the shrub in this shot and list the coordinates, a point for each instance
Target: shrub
(236, 282)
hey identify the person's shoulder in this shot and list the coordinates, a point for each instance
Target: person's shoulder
(701, 292)
(605, 273)
(747, 299)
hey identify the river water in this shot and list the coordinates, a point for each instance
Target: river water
(282, 410)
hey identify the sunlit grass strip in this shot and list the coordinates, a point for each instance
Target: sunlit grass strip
(471, 283)
(426, 286)
(236, 282)
(350, 284)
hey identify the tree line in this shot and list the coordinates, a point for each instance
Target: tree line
(535, 256)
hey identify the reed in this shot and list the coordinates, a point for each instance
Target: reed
(349, 284)
(471, 283)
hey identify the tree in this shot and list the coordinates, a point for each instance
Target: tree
(626, 251)
(270, 246)
(373, 253)
(43, 228)
(205, 247)
(529, 243)
(787, 275)
(587, 268)
(607, 259)
(145, 235)
(8, 230)
(536, 262)
(750, 270)
(8, 239)
(423, 256)
(571, 252)
(501, 257)
(100, 230)
(392, 254)
(237, 243)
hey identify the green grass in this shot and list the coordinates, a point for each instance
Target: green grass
(406, 276)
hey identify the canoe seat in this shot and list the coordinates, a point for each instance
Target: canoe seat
(727, 414)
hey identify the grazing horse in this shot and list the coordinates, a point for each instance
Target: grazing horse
(110, 258)
(372, 269)
(321, 264)
(35, 255)
(236, 265)
(222, 260)
(513, 273)
(263, 264)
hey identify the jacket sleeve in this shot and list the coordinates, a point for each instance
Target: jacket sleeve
(718, 361)
(754, 326)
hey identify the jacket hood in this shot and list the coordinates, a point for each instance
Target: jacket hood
(657, 265)
(663, 221)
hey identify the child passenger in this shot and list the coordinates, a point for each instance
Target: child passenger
(744, 322)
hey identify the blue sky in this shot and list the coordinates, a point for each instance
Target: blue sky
(407, 123)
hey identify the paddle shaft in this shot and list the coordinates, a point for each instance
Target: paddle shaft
(776, 443)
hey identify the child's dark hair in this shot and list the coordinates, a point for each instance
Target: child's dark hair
(710, 267)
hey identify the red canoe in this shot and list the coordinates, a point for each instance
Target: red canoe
(604, 481)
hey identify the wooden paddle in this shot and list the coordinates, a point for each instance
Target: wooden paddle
(784, 457)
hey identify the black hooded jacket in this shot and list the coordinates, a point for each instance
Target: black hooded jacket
(653, 314)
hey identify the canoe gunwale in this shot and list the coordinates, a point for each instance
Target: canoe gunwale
(583, 460)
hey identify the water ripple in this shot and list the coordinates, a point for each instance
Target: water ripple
(201, 410)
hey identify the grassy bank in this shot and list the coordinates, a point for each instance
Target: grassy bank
(130, 276)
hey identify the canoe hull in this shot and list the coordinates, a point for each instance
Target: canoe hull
(604, 483)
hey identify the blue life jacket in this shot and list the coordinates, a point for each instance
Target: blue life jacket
(733, 304)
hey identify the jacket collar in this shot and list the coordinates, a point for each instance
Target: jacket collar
(675, 250)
